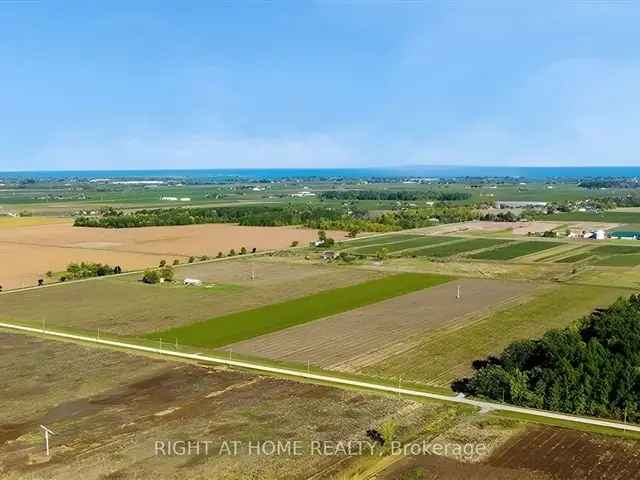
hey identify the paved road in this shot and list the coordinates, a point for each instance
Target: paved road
(328, 379)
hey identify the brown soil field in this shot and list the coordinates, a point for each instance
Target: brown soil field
(108, 409)
(537, 453)
(569, 454)
(360, 337)
(27, 252)
(126, 306)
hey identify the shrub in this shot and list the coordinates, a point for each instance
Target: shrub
(220, 255)
(163, 263)
(176, 262)
(151, 276)
(243, 250)
(295, 243)
(192, 259)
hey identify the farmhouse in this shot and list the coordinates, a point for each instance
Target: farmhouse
(520, 204)
(193, 282)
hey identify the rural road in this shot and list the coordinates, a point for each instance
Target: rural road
(328, 379)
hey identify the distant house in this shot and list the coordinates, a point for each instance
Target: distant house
(303, 194)
(170, 199)
(193, 282)
(185, 199)
(520, 204)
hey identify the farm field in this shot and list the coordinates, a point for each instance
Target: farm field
(107, 422)
(377, 240)
(575, 258)
(569, 454)
(615, 250)
(535, 453)
(515, 250)
(224, 330)
(356, 338)
(124, 305)
(402, 245)
(620, 217)
(447, 354)
(28, 252)
(629, 260)
(456, 248)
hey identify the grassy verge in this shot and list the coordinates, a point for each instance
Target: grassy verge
(227, 329)
(447, 355)
(568, 424)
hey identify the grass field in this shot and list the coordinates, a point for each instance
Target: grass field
(379, 239)
(221, 331)
(403, 245)
(574, 258)
(609, 216)
(630, 260)
(515, 250)
(458, 247)
(615, 250)
(125, 305)
(447, 355)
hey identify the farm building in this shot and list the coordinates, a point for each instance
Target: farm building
(192, 282)
(520, 204)
(626, 235)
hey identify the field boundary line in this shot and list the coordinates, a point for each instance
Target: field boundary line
(332, 380)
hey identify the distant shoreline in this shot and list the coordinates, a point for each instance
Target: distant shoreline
(403, 172)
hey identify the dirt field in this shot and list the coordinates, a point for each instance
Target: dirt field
(569, 454)
(126, 306)
(367, 335)
(538, 453)
(27, 252)
(109, 408)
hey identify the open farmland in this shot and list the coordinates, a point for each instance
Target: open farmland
(574, 258)
(27, 252)
(378, 240)
(569, 454)
(402, 245)
(447, 354)
(630, 260)
(220, 331)
(359, 337)
(515, 250)
(109, 408)
(615, 250)
(535, 453)
(457, 248)
(124, 305)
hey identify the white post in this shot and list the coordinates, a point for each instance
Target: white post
(46, 438)
(458, 295)
(230, 354)
(399, 380)
(160, 344)
(308, 366)
(176, 344)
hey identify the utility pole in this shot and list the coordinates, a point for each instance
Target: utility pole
(47, 432)
(458, 294)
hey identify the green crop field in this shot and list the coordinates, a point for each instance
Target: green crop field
(377, 240)
(450, 249)
(515, 250)
(615, 250)
(227, 329)
(403, 245)
(630, 260)
(574, 258)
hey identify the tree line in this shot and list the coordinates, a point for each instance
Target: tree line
(587, 369)
(397, 195)
(311, 216)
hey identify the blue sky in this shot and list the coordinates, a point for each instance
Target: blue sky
(99, 85)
